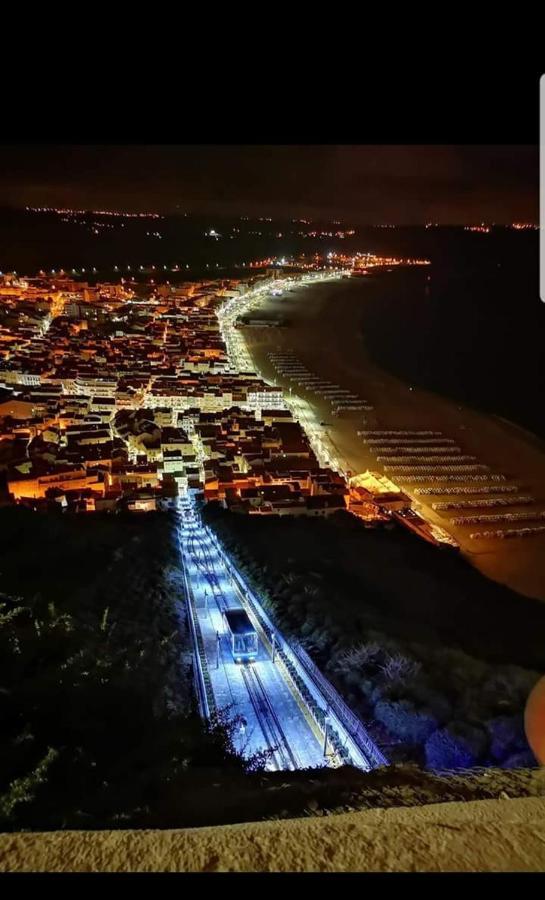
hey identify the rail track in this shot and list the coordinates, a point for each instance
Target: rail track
(268, 720)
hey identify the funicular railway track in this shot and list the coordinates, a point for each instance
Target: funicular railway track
(213, 582)
(264, 710)
(201, 558)
(268, 719)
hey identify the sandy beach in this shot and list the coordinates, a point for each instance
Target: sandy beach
(325, 333)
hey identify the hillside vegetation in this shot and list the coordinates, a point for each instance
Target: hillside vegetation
(96, 701)
(436, 659)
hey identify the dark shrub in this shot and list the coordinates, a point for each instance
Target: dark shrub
(388, 692)
(506, 736)
(458, 746)
(423, 695)
(366, 687)
(404, 721)
(352, 679)
(523, 760)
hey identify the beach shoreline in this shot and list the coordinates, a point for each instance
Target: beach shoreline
(327, 333)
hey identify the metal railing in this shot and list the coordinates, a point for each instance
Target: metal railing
(205, 694)
(343, 712)
(348, 719)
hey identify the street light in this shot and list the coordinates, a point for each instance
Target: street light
(326, 727)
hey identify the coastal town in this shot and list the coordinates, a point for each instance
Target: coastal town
(122, 396)
(116, 397)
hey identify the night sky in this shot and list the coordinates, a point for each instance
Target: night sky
(398, 184)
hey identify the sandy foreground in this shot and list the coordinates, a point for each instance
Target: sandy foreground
(324, 332)
(476, 836)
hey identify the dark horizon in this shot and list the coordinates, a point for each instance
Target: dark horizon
(365, 185)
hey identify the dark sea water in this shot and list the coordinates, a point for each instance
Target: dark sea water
(471, 327)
